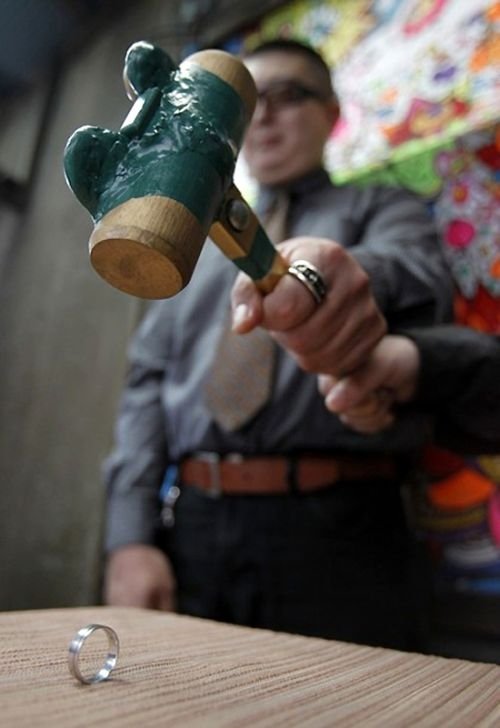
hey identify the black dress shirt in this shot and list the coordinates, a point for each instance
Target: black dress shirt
(460, 383)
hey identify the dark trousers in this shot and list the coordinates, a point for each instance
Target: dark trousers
(334, 564)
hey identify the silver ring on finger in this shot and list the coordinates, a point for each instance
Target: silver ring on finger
(310, 277)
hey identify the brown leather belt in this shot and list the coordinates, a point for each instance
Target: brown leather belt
(238, 475)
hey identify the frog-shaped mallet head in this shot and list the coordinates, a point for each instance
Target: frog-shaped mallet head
(159, 185)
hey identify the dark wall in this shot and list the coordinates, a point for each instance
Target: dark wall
(64, 332)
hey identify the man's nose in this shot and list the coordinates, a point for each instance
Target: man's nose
(263, 111)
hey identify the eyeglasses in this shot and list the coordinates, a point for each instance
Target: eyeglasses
(281, 94)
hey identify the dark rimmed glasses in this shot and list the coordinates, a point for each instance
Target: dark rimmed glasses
(282, 94)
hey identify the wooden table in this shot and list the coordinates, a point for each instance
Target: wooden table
(179, 671)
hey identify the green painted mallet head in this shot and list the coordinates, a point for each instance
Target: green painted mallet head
(159, 185)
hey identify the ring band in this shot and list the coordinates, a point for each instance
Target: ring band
(76, 645)
(310, 277)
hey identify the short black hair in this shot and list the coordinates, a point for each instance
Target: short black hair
(290, 45)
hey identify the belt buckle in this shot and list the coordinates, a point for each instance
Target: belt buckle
(213, 461)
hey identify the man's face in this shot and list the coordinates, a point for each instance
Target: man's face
(288, 131)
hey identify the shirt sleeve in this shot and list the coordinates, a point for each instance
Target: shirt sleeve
(134, 470)
(460, 382)
(400, 251)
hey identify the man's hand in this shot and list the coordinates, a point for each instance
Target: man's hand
(363, 400)
(139, 576)
(334, 337)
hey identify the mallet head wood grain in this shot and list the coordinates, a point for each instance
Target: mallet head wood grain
(164, 182)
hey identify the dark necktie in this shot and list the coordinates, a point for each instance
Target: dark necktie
(241, 378)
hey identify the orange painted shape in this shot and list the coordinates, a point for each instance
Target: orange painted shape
(495, 268)
(465, 489)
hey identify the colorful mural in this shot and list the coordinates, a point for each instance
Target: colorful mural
(467, 213)
(459, 512)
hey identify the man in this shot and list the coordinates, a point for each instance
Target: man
(452, 371)
(292, 521)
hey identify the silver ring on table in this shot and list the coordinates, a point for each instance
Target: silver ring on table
(111, 658)
(310, 277)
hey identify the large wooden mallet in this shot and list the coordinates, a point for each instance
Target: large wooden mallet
(164, 182)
